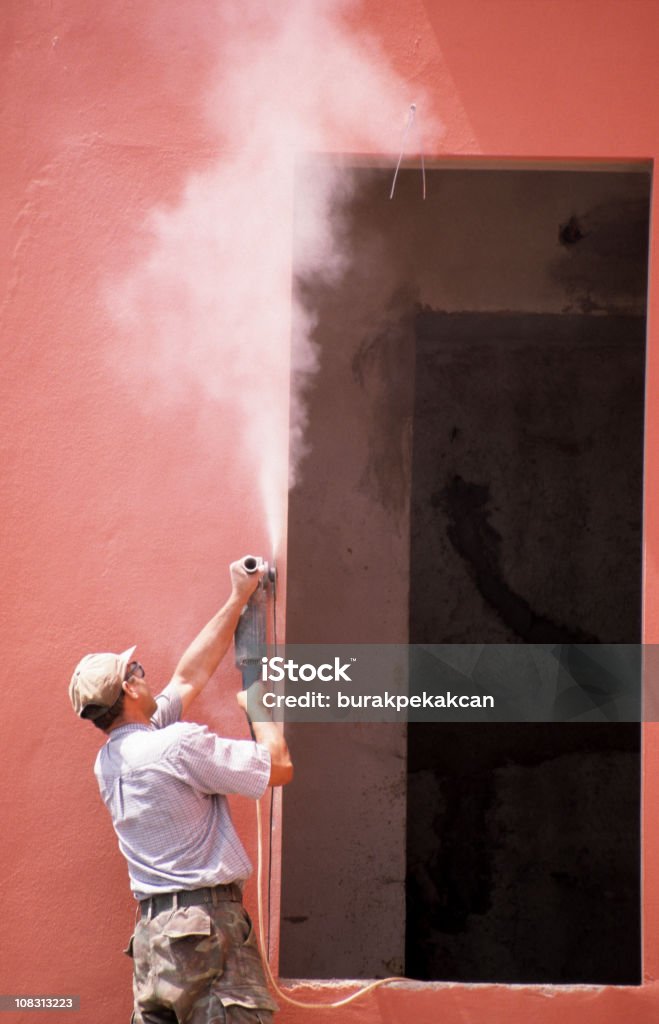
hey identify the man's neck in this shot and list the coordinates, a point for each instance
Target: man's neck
(131, 719)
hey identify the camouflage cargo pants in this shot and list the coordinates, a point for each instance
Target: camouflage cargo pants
(199, 965)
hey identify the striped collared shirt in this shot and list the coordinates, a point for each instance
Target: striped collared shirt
(165, 786)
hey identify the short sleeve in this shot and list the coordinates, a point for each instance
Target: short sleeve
(169, 708)
(215, 765)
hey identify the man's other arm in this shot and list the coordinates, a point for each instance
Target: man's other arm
(269, 735)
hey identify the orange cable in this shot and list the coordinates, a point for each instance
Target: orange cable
(282, 995)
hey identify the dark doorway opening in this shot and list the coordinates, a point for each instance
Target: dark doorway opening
(475, 476)
(527, 489)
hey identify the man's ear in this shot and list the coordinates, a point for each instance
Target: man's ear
(129, 689)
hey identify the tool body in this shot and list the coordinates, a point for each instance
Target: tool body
(251, 632)
(250, 638)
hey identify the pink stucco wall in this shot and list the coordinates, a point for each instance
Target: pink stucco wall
(120, 514)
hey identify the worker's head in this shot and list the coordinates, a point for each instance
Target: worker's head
(99, 685)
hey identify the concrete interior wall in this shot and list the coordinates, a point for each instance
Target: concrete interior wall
(523, 853)
(528, 454)
(526, 532)
(350, 557)
(536, 283)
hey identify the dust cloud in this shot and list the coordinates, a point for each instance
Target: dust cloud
(214, 295)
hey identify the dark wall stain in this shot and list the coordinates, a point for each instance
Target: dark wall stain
(479, 546)
(604, 257)
(570, 233)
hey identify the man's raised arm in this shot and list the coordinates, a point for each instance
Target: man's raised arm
(206, 651)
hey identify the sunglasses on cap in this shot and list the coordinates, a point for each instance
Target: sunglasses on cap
(134, 669)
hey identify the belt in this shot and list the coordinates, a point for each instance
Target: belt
(152, 905)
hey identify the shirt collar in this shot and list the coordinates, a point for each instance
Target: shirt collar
(130, 727)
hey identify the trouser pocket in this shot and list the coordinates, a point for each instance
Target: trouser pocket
(185, 955)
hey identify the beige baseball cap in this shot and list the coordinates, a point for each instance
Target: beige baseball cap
(97, 680)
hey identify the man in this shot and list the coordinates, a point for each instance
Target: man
(164, 781)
